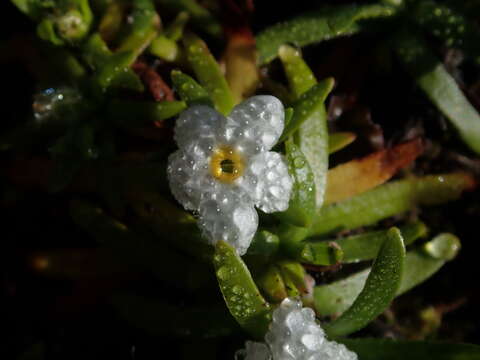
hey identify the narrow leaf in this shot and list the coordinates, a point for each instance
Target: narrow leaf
(335, 298)
(272, 285)
(307, 105)
(301, 207)
(339, 140)
(208, 72)
(312, 135)
(390, 199)
(379, 290)
(189, 90)
(241, 295)
(441, 88)
(317, 26)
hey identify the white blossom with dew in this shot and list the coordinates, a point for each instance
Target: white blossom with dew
(295, 335)
(224, 168)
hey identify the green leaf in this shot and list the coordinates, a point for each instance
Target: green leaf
(355, 248)
(111, 70)
(379, 290)
(307, 105)
(427, 260)
(366, 246)
(200, 16)
(189, 90)
(241, 295)
(319, 253)
(264, 243)
(335, 298)
(301, 207)
(337, 141)
(137, 114)
(272, 285)
(318, 26)
(165, 48)
(312, 135)
(174, 30)
(447, 24)
(440, 87)
(381, 349)
(143, 28)
(390, 199)
(208, 73)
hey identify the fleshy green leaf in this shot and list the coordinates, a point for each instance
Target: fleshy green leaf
(164, 48)
(307, 104)
(189, 90)
(141, 113)
(427, 260)
(379, 290)
(361, 247)
(264, 243)
(293, 274)
(301, 207)
(319, 253)
(335, 298)
(337, 141)
(447, 24)
(314, 27)
(312, 135)
(440, 87)
(208, 73)
(241, 295)
(142, 29)
(272, 285)
(381, 349)
(199, 15)
(389, 199)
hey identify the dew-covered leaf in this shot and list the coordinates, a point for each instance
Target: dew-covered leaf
(241, 295)
(390, 199)
(301, 207)
(440, 87)
(189, 90)
(208, 72)
(143, 27)
(312, 135)
(364, 246)
(325, 24)
(380, 288)
(335, 298)
(359, 175)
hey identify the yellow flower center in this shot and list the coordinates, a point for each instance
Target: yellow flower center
(226, 164)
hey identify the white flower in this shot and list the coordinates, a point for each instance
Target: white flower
(224, 168)
(295, 335)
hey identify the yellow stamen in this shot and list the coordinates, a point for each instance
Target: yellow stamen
(226, 164)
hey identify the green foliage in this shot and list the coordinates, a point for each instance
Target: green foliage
(302, 201)
(379, 290)
(189, 90)
(241, 295)
(441, 88)
(335, 298)
(389, 199)
(208, 73)
(317, 26)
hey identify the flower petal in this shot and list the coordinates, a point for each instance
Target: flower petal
(268, 182)
(229, 216)
(189, 177)
(197, 129)
(256, 124)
